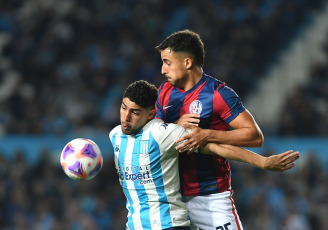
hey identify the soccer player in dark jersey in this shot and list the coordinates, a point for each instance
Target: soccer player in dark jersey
(191, 97)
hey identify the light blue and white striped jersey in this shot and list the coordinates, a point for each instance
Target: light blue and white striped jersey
(147, 165)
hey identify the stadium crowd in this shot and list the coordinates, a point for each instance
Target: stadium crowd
(42, 197)
(76, 55)
(308, 102)
(64, 64)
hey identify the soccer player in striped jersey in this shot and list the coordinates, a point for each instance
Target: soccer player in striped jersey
(191, 97)
(146, 160)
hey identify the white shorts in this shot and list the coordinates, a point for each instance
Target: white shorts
(213, 212)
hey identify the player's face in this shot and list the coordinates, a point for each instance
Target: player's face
(134, 117)
(174, 67)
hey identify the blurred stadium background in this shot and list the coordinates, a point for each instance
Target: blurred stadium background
(64, 64)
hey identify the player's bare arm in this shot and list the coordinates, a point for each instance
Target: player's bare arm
(245, 133)
(280, 162)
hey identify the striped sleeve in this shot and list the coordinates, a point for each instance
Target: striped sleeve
(227, 103)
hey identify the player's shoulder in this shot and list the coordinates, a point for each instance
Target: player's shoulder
(221, 87)
(214, 81)
(166, 134)
(156, 125)
(159, 128)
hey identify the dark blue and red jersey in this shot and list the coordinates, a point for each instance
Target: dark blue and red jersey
(218, 105)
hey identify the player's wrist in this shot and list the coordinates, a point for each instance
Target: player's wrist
(266, 163)
(208, 135)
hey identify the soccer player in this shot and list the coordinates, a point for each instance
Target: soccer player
(191, 97)
(146, 160)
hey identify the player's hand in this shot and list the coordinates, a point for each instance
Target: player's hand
(281, 162)
(188, 119)
(192, 141)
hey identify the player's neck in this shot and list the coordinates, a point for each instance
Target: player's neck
(193, 78)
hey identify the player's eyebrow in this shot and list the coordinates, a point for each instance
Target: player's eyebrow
(133, 110)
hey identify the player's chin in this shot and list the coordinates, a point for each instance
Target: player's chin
(172, 82)
(126, 130)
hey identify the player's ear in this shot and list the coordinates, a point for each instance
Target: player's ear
(151, 114)
(188, 63)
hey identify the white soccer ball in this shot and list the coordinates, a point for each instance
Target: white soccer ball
(81, 159)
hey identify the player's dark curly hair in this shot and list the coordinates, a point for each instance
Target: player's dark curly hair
(185, 41)
(142, 93)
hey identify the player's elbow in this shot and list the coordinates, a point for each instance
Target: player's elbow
(255, 138)
(259, 140)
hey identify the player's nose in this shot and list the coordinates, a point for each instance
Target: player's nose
(163, 71)
(128, 117)
(125, 116)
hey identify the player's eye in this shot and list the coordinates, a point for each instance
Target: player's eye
(135, 113)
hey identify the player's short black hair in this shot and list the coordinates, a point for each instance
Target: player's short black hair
(185, 41)
(142, 93)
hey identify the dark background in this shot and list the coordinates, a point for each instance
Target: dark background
(64, 66)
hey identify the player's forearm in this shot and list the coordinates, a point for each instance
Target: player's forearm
(247, 137)
(236, 153)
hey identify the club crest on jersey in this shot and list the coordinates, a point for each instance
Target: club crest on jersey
(195, 107)
(144, 147)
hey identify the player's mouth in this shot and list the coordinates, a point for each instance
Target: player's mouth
(125, 126)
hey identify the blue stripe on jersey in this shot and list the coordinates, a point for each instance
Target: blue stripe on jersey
(156, 169)
(206, 173)
(121, 156)
(141, 192)
(177, 97)
(207, 105)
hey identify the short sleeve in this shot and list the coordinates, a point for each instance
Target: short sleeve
(227, 104)
(166, 134)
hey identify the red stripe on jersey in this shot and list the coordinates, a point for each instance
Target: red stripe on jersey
(221, 165)
(219, 107)
(222, 168)
(167, 88)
